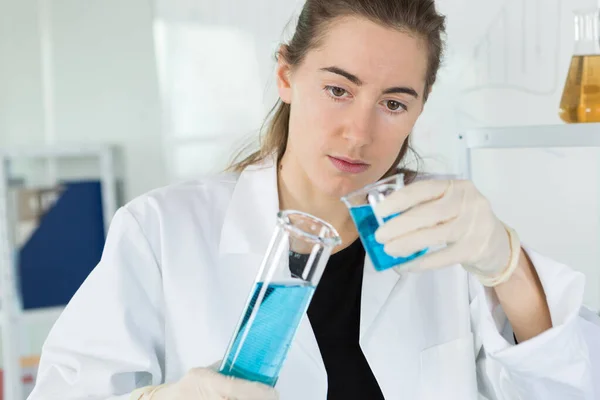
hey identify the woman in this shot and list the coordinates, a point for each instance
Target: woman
(178, 264)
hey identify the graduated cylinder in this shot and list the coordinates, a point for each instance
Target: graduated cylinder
(290, 272)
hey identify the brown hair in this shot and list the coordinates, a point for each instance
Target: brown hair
(417, 17)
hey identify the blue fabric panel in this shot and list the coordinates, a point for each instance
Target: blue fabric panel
(64, 249)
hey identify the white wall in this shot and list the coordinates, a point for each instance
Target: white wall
(104, 80)
(216, 68)
(20, 76)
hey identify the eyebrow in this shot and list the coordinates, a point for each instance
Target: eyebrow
(351, 77)
(356, 80)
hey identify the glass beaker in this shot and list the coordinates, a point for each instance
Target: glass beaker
(290, 271)
(581, 96)
(360, 204)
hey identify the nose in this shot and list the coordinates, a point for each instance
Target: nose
(359, 127)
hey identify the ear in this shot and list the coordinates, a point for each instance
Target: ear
(283, 76)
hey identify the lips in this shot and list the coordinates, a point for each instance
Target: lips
(348, 165)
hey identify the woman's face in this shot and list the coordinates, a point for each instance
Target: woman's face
(354, 101)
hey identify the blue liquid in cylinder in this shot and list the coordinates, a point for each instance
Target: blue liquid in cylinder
(261, 344)
(366, 223)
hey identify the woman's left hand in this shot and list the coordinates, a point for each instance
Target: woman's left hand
(452, 213)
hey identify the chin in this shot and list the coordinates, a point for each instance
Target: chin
(339, 185)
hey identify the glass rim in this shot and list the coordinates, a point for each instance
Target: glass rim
(372, 186)
(333, 241)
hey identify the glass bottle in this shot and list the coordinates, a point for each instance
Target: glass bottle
(581, 96)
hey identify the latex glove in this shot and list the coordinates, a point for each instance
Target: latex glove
(206, 384)
(452, 213)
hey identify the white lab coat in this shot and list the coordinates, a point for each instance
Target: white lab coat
(175, 274)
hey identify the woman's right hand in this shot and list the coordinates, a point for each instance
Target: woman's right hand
(207, 384)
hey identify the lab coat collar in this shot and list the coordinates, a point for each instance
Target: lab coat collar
(251, 216)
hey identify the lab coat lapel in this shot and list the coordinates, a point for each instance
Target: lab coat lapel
(376, 289)
(249, 223)
(252, 211)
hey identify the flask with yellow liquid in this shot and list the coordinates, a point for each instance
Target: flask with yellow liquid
(581, 96)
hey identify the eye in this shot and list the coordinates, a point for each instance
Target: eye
(336, 91)
(394, 105)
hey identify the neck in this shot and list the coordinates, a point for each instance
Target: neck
(297, 193)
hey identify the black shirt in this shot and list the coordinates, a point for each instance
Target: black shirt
(334, 314)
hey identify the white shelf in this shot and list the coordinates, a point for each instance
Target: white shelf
(42, 315)
(106, 155)
(67, 151)
(508, 169)
(575, 135)
(47, 315)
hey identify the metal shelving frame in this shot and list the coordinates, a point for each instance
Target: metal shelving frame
(11, 312)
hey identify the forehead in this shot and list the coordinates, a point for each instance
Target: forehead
(378, 55)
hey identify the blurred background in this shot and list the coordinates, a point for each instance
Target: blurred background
(103, 100)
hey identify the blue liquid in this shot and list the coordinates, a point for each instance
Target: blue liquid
(261, 346)
(366, 223)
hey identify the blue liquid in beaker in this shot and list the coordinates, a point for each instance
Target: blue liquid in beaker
(366, 223)
(261, 345)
